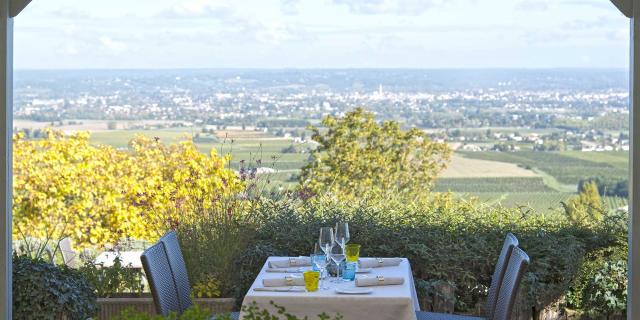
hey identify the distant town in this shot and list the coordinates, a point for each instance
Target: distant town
(516, 111)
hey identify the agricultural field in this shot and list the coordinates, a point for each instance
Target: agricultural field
(540, 202)
(248, 146)
(566, 167)
(537, 180)
(558, 173)
(493, 184)
(463, 167)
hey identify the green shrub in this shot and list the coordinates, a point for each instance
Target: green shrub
(445, 239)
(192, 313)
(448, 241)
(211, 239)
(587, 207)
(42, 290)
(600, 289)
(116, 279)
(253, 312)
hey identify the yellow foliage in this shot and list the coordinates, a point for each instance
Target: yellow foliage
(208, 287)
(98, 195)
(586, 208)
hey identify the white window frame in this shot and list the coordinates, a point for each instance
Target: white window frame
(11, 8)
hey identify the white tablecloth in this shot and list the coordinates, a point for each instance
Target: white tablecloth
(128, 259)
(397, 302)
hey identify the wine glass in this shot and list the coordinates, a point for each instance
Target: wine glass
(316, 252)
(326, 239)
(342, 234)
(321, 261)
(337, 255)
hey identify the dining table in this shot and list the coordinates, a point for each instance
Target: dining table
(383, 302)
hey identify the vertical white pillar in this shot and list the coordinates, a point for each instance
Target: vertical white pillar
(6, 124)
(633, 298)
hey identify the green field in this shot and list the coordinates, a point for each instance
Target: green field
(542, 202)
(566, 167)
(247, 146)
(539, 180)
(510, 184)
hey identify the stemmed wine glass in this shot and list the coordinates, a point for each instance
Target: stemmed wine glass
(321, 261)
(337, 255)
(325, 241)
(342, 234)
(341, 237)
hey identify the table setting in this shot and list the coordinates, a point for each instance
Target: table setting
(359, 287)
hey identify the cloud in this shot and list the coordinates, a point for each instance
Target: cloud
(113, 46)
(70, 29)
(277, 33)
(198, 9)
(546, 37)
(290, 7)
(532, 5)
(601, 22)
(70, 49)
(588, 3)
(70, 14)
(400, 7)
(232, 25)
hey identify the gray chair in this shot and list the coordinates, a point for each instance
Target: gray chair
(510, 242)
(178, 268)
(179, 272)
(158, 271)
(516, 267)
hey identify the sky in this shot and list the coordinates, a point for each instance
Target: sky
(155, 34)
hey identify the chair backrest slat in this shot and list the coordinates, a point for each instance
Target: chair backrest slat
(178, 268)
(516, 267)
(510, 242)
(68, 254)
(156, 267)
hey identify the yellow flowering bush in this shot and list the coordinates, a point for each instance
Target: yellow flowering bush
(98, 194)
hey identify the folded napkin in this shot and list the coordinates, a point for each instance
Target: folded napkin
(378, 262)
(280, 289)
(291, 262)
(367, 281)
(285, 270)
(283, 282)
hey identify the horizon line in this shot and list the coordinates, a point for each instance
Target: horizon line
(318, 68)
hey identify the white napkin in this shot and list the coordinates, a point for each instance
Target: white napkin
(291, 262)
(367, 281)
(285, 270)
(378, 262)
(280, 289)
(283, 282)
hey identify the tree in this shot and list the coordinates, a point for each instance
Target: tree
(587, 207)
(64, 186)
(355, 154)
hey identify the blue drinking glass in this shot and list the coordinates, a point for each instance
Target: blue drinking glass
(349, 271)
